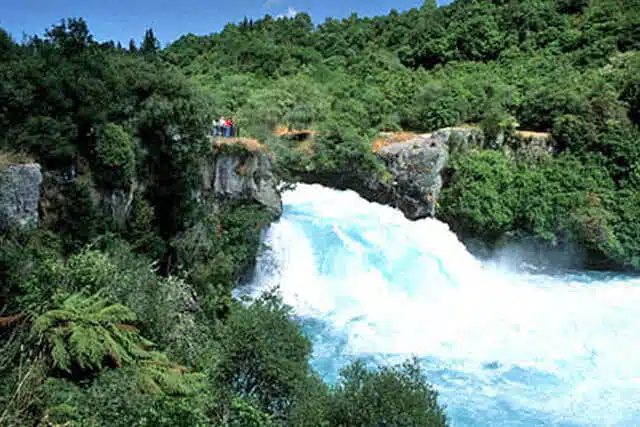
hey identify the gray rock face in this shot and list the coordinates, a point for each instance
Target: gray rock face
(242, 176)
(415, 167)
(19, 196)
(466, 136)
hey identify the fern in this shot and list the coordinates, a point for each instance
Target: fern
(155, 376)
(85, 331)
(90, 333)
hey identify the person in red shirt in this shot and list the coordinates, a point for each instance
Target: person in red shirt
(227, 128)
(232, 125)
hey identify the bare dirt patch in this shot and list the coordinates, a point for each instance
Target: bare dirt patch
(249, 144)
(390, 138)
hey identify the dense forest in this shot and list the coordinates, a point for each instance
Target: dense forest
(111, 320)
(566, 67)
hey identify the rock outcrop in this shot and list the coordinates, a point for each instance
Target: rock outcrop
(415, 167)
(19, 196)
(241, 175)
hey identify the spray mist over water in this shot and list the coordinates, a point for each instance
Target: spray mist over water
(502, 348)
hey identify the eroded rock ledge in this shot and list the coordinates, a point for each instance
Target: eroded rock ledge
(415, 167)
(240, 174)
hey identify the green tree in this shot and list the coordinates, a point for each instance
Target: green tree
(480, 201)
(389, 396)
(573, 133)
(572, 6)
(631, 93)
(150, 45)
(263, 356)
(115, 157)
(435, 107)
(7, 46)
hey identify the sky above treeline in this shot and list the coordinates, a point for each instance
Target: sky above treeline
(122, 20)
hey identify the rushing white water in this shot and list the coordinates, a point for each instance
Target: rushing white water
(503, 349)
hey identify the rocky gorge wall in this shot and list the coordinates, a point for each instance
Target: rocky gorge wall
(417, 166)
(19, 196)
(238, 174)
(226, 175)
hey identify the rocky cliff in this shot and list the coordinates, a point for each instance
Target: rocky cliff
(416, 165)
(415, 168)
(240, 174)
(19, 196)
(414, 172)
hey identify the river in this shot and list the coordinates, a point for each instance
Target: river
(503, 348)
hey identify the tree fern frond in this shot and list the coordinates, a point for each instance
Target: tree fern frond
(146, 383)
(88, 346)
(119, 351)
(59, 354)
(88, 332)
(90, 306)
(52, 317)
(77, 302)
(115, 313)
(169, 378)
(84, 332)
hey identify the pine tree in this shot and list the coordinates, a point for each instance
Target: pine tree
(150, 44)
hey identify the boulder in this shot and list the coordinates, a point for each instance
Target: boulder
(19, 196)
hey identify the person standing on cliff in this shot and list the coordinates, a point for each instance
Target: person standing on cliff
(227, 128)
(221, 126)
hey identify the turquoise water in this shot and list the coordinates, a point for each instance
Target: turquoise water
(502, 348)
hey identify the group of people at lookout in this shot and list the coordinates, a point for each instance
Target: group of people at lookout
(225, 128)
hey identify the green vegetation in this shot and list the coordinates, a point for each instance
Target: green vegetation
(567, 67)
(118, 310)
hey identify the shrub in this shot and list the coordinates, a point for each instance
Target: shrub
(480, 201)
(29, 264)
(390, 396)
(76, 215)
(262, 356)
(114, 400)
(115, 157)
(215, 252)
(573, 133)
(340, 149)
(435, 107)
(626, 225)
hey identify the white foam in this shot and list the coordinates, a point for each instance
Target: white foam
(400, 287)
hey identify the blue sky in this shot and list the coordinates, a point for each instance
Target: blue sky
(125, 19)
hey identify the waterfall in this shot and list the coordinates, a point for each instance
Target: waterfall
(502, 348)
